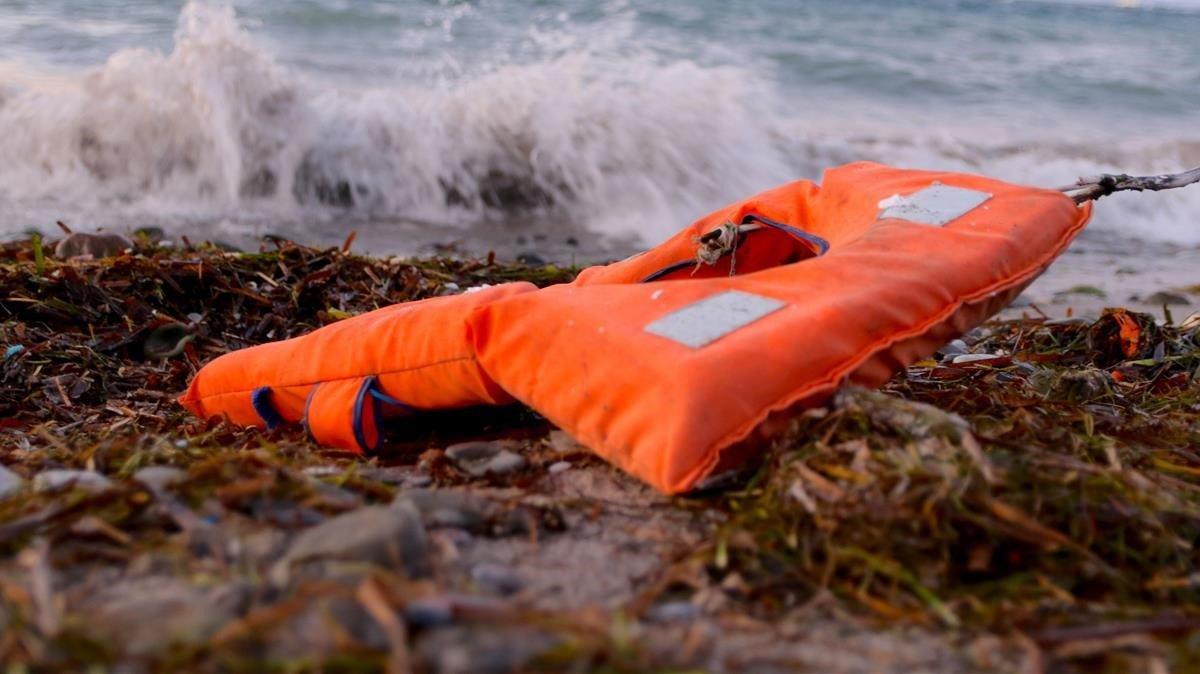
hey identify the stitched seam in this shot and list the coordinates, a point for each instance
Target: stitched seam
(402, 370)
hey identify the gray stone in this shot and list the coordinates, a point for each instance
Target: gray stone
(158, 478)
(10, 482)
(955, 347)
(482, 650)
(451, 509)
(480, 459)
(673, 612)
(429, 612)
(496, 578)
(51, 480)
(152, 615)
(559, 466)
(391, 536)
(91, 246)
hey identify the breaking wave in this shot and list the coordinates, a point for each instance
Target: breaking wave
(217, 130)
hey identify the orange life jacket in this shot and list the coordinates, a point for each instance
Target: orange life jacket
(664, 366)
(340, 380)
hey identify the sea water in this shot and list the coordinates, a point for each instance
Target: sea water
(482, 119)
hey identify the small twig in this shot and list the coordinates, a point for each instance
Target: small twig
(1090, 189)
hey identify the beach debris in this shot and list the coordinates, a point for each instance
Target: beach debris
(1166, 297)
(496, 578)
(92, 246)
(159, 477)
(167, 341)
(1122, 335)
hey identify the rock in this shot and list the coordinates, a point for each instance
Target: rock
(451, 509)
(391, 536)
(479, 459)
(167, 341)
(482, 650)
(155, 614)
(52, 480)
(325, 627)
(531, 259)
(956, 347)
(563, 443)
(158, 478)
(1163, 297)
(496, 578)
(10, 482)
(93, 246)
(673, 612)
(559, 466)
(429, 612)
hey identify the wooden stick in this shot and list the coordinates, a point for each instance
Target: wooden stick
(1090, 189)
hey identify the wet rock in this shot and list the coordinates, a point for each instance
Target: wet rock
(531, 259)
(391, 536)
(496, 578)
(158, 478)
(91, 246)
(53, 480)
(479, 459)
(10, 482)
(480, 650)
(152, 615)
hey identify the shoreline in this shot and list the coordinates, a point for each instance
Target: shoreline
(982, 513)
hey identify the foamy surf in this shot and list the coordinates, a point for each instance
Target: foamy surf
(215, 135)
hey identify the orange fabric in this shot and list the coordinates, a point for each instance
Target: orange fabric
(418, 353)
(887, 293)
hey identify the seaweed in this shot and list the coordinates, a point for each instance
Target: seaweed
(1045, 492)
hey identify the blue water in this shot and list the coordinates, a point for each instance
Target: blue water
(618, 116)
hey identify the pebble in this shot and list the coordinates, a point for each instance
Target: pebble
(450, 509)
(482, 650)
(563, 443)
(559, 466)
(429, 612)
(155, 614)
(51, 480)
(479, 459)
(10, 482)
(387, 536)
(159, 477)
(496, 578)
(956, 347)
(673, 612)
(85, 244)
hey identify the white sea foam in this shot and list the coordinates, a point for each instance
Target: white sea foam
(216, 131)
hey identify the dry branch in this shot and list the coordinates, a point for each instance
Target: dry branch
(1090, 189)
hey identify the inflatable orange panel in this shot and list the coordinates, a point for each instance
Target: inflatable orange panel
(665, 378)
(341, 379)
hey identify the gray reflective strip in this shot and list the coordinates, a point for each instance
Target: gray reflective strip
(934, 205)
(711, 318)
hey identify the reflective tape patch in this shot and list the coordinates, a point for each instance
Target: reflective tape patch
(711, 318)
(934, 205)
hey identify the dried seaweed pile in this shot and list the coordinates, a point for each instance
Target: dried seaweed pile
(1052, 477)
(1036, 484)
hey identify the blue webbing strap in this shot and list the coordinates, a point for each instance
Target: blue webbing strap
(260, 398)
(370, 386)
